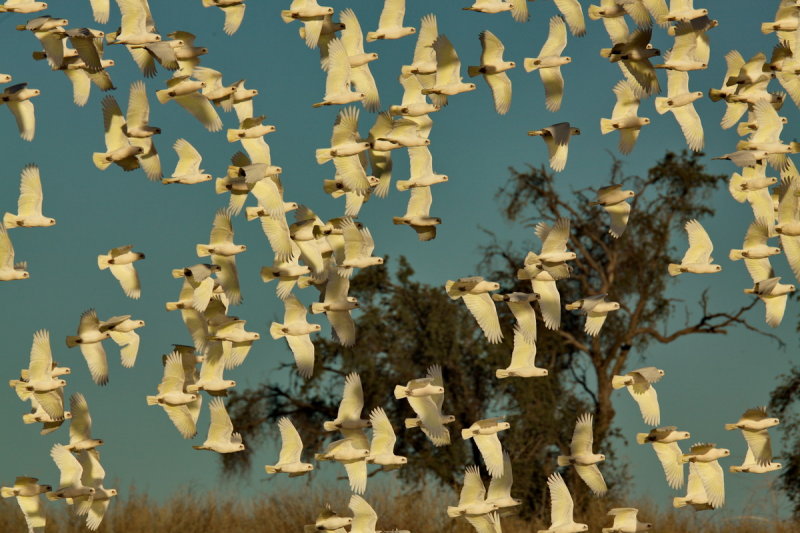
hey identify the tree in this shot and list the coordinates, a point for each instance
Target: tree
(785, 404)
(405, 326)
(632, 270)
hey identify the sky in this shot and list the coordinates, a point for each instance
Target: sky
(709, 380)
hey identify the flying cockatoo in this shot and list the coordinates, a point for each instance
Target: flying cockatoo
(697, 258)
(289, 459)
(549, 63)
(484, 433)
(120, 261)
(614, 200)
(640, 384)
(475, 293)
(582, 457)
(665, 444)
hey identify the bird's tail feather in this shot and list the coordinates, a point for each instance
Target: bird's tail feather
(619, 382)
(563, 460)
(100, 161)
(529, 63)
(276, 330)
(674, 269)
(400, 392)
(606, 125)
(641, 438)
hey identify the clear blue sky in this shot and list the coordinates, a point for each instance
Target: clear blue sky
(710, 380)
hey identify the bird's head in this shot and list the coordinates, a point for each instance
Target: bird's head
(67, 415)
(113, 492)
(230, 383)
(504, 425)
(51, 221)
(602, 457)
(646, 120)
(615, 305)
(240, 447)
(471, 86)
(545, 372)
(315, 327)
(403, 460)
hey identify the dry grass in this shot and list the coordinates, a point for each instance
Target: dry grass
(420, 512)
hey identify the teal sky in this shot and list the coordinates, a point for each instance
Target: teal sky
(709, 380)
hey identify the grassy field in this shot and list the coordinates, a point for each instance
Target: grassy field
(420, 512)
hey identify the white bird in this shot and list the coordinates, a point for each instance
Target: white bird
(788, 226)
(236, 341)
(472, 499)
(198, 286)
(573, 14)
(390, 25)
(18, 98)
(211, 379)
(704, 458)
(296, 330)
(349, 415)
(774, 295)
(381, 449)
(474, 291)
(352, 453)
(337, 306)
(696, 495)
(137, 26)
(557, 137)
(484, 433)
(549, 63)
(421, 170)
(596, 309)
(523, 359)
(9, 270)
(756, 251)
(186, 92)
(493, 69)
(752, 186)
(221, 437)
(358, 248)
(90, 338)
(41, 385)
(625, 521)
(499, 492)
(684, 11)
(364, 516)
(329, 520)
(234, 13)
(345, 139)
(182, 408)
(754, 424)
(624, 118)
(22, 6)
(70, 484)
(119, 149)
(120, 261)
(223, 252)
(93, 476)
(697, 258)
(554, 255)
(289, 458)
(80, 427)
(614, 201)
(448, 73)
(582, 457)
(122, 332)
(665, 444)
(679, 100)
(520, 305)
(337, 83)
(27, 490)
(353, 41)
(429, 411)
(424, 61)
(561, 508)
(29, 204)
(640, 385)
(188, 170)
(140, 133)
(418, 213)
(750, 465)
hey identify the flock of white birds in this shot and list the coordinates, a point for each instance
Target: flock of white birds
(323, 254)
